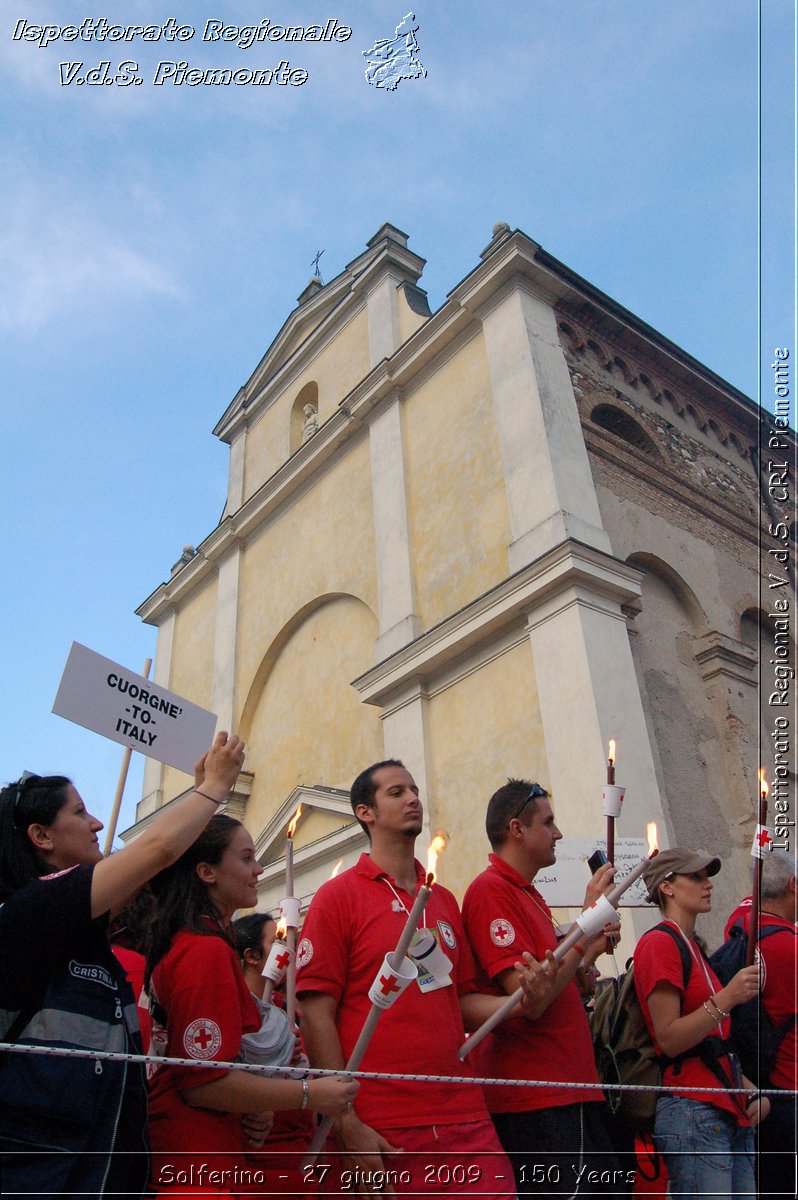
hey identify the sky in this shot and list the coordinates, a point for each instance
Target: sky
(154, 238)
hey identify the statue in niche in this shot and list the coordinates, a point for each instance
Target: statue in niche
(311, 424)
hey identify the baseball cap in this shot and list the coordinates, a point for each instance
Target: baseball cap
(676, 861)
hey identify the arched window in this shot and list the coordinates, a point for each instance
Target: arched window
(619, 423)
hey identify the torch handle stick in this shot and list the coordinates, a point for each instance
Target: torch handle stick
(611, 839)
(570, 939)
(753, 928)
(395, 959)
(290, 977)
(504, 1010)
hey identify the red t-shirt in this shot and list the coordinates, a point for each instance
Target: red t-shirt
(201, 988)
(743, 909)
(779, 955)
(354, 920)
(657, 960)
(133, 964)
(504, 914)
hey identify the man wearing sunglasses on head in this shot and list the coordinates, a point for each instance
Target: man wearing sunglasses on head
(555, 1135)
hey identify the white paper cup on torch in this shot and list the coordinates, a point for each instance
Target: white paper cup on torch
(428, 955)
(390, 983)
(593, 919)
(276, 964)
(289, 912)
(612, 799)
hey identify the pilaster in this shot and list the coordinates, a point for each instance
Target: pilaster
(550, 489)
(152, 789)
(398, 622)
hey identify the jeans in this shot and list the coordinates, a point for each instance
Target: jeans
(706, 1152)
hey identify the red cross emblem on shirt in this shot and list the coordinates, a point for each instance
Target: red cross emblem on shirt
(282, 960)
(502, 932)
(388, 985)
(763, 837)
(202, 1038)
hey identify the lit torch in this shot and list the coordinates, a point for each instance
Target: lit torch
(276, 964)
(396, 972)
(761, 845)
(612, 800)
(289, 910)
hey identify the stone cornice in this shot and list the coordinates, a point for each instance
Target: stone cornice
(717, 654)
(666, 480)
(235, 806)
(568, 566)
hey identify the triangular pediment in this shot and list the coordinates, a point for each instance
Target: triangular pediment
(326, 834)
(322, 310)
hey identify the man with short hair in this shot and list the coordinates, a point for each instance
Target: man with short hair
(776, 1135)
(554, 1135)
(354, 920)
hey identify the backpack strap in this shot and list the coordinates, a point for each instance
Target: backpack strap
(684, 952)
(711, 1049)
(764, 930)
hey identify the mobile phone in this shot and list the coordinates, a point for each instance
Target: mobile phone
(597, 859)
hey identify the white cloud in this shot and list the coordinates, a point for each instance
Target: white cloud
(62, 251)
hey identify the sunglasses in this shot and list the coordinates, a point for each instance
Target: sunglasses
(534, 792)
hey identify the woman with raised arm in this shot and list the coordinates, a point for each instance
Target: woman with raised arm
(204, 1121)
(78, 1125)
(706, 1138)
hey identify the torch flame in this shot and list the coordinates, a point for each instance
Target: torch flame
(294, 822)
(436, 846)
(651, 834)
(764, 790)
(611, 751)
(282, 929)
(337, 868)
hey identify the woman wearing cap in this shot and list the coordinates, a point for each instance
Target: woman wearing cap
(76, 1126)
(705, 1138)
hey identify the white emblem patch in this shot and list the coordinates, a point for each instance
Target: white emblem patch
(447, 933)
(202, 1038)
(304, 952)
(501, 932)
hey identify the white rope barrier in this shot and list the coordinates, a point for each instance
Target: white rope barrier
(305, 1072)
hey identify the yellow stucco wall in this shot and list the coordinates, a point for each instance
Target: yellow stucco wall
(192, 663)
(482, 729)
(305, 722)
(323, 544)
(336, 370)
(457, 502)
(409, 321)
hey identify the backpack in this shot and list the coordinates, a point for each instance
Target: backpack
(622, 1045)
(756, 1038)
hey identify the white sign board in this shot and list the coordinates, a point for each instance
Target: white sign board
(563, 884)
(100, 695)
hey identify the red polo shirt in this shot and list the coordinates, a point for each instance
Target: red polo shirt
(353, 922)
(504, 914)
(779, 955)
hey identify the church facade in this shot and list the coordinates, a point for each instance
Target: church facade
(484, 540)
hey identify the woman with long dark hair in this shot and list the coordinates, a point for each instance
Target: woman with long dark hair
(77, 1125)
(706, 1138)
(201, 1009)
